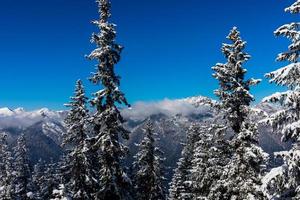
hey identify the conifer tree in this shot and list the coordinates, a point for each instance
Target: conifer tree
(242, 175)
(6, 170)
(61, 193)
(23, 181)
(241, 178)
(50, 180)
(179, 190)
(37, 175)
(148, 179)
(287, 120)
(210, 157)
(45, 180)
(234, 89)
(107, 120)
(78, 170)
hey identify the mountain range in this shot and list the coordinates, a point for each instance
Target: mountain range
(43, 128)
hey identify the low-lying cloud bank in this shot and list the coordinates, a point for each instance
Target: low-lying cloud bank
(142, 110)
(139, 111)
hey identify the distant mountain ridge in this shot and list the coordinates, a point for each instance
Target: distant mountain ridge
(43, 131)
(44, 128)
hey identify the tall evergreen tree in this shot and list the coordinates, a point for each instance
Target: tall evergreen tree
(148, 179)
(242, 175)
(107, 120)
(179, 190)
(78, 169)
(287, 120)
(6, 170)
(234, 89)
(23, 181)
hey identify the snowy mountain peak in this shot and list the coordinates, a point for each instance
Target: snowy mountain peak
(21, 118)
(4, 112)
(199, 101)
(19, 110)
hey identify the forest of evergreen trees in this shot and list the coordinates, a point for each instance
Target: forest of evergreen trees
(220, 161)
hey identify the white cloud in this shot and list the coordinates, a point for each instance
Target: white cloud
(142, 110)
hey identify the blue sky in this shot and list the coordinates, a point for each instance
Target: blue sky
(170, 46)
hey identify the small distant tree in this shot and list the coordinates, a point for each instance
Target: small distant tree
(6, 170)
(60, 193)
(37, 175)
(148, 178)
(23, 181)
(179, 189)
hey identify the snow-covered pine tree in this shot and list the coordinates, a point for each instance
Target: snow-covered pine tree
(37, 175)
(50, 180)
(61, 193)
(241, 178)
(78, 170)
(23, 181)
(107, 120)
(6, 170)
(210, 156)
(234, 89)
(179, 190)
(287, 120)
(45, 180)
(148, 179)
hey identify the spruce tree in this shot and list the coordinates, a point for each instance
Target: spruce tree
(22, 181)
(241, 178)
(61, 193)
(50, 180)
(148, 178)
(6, 170)
(37, 175)
(78, 169)
(287, 120)
(179, 190)
(45, 180)
(107, 120)
(234, 89)
(210, 157)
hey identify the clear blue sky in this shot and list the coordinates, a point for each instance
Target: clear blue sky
(170, 46)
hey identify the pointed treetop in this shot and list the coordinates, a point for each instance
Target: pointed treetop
(234, 90)
(234, 34)
(108, 54)
(104, 10)
(234, 51)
